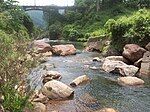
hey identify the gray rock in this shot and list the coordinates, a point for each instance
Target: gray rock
(57, 90)
(80, 80)
(119, 67)
(130, 81)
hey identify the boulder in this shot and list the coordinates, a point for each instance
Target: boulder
(148, 46)
(49, 75)
(133, 52)
(107, 110)
(79, 80)
(145, 65)
(130, 81)
(118, 58)
(41, 46)
(119, 67)
(64, 50)
(127, 70)
(39, 107)
(57, 90)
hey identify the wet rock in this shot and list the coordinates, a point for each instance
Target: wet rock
(148, 46)
(80, 80)
(117, 58)
(145, 65)
(130, 81)
(107, 110)
(39, 107)
(41, 46)
(133, 52)
(64, 50)
(119, 67)
(57, 90)
(49, 75)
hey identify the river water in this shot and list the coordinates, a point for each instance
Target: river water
(101, 92)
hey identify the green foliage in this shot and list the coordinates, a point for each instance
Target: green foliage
(72, 16)
(14, 101)
(71, 33)
(132, 29)
(15, 28)
(55, 30)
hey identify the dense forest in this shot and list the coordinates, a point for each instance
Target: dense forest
(120, 21)
(124, 21)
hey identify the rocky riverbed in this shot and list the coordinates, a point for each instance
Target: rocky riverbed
(102, 90)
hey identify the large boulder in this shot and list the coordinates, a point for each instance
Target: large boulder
(133, 52)
(80, 80)
(64, 50)
(41, 46)
(130, 81)
(148, 46)
(119, 67)
(107, 110)
(57, 90)
(145, 65)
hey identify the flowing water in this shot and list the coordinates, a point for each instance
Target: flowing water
(101, 92)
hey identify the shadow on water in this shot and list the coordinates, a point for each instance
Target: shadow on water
(102, 91)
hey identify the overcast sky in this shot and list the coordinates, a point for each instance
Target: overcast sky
(46, 2)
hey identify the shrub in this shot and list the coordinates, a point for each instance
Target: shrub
(132, 29)
(71, 33)
(55, 30)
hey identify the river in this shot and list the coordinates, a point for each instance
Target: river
(101, 92)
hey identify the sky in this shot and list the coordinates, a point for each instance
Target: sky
(46, 2)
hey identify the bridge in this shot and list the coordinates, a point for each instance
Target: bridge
(52, 7)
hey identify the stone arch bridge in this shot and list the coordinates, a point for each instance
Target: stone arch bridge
(47, 8)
